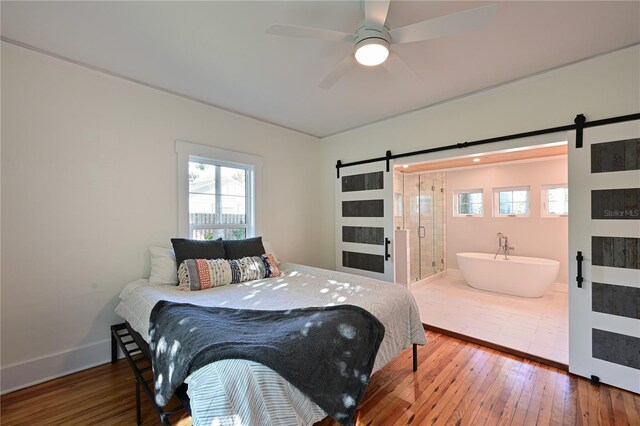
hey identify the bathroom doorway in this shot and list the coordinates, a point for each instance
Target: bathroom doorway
(459, 205)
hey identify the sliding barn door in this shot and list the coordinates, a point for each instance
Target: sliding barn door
(364, 220)
(604, 244)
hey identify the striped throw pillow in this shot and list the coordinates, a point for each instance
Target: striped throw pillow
(201, 274)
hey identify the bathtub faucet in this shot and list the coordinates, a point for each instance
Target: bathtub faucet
(503, 245)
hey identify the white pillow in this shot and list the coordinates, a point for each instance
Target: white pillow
(269, 250)
(163, 266)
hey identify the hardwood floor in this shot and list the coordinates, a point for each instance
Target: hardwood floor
(457, 383)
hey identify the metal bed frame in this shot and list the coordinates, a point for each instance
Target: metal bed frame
(136, 351)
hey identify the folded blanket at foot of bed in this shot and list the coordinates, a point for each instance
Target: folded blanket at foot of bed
(326, 352)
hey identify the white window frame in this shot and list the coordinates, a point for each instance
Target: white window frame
(457, 192)
(188, 151)
(544, 199)
(496, 201)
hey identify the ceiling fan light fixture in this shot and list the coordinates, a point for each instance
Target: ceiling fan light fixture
(372, 51)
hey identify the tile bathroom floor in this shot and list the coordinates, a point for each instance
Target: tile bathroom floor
(536, 326)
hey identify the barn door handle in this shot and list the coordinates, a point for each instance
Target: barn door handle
(579, 278)
(386, 249)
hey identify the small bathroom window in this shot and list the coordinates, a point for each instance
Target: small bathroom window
(555, 200)
(468, 203)
(511, 202)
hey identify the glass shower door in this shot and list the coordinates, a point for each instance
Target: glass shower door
(424, 218)
(438, 225)
(425, 227)
(411, 221)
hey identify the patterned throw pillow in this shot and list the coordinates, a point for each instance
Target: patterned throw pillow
(200, 274)
(271, 264)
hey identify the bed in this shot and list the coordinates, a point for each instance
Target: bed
(233, 391)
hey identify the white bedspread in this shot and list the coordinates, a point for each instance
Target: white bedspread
(238, 392)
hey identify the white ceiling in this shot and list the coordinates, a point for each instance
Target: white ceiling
(218, 52)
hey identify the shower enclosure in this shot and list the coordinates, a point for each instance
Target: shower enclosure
(419, 199)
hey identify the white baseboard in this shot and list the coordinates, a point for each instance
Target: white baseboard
(28, 373)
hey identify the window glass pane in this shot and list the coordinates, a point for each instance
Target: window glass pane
(512, 201)
(469, 203)
(232, 181)
(202, 178)
(520, 196)
(233, 209)
(206, 234)
(215, 233)
(519, 208)
(556, 208)
(475, 197)
(235, 234)
(505, 196)
(557, 201)
(203, 205)
(505, 208)
(555, 194)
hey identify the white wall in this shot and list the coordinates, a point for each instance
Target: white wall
(602, 87)
(533, 236)
(89, 183)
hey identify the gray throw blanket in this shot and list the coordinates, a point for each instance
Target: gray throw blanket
(326, 352)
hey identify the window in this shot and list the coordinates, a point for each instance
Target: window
(511, 202)
(555, 200)
(217, 191)
(468, 202)
(218, 201)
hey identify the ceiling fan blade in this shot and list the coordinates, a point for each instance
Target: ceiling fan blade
(444, 26)
(338, 72)
(400, 69)
(375, 11)
(308, 32)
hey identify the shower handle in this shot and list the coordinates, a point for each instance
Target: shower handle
(422, 232)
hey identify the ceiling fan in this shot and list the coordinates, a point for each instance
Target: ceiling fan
(372, 39)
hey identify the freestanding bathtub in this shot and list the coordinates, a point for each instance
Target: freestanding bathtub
(518, 276)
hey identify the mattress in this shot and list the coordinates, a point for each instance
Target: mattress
(240, 392)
